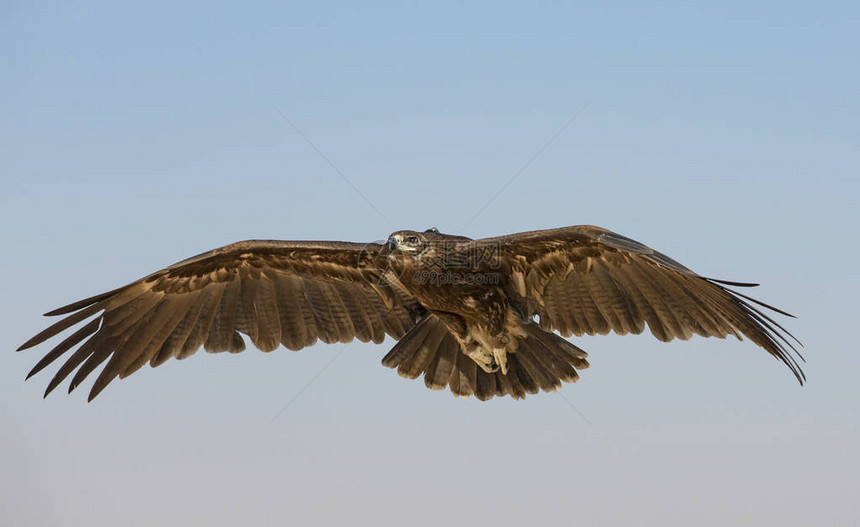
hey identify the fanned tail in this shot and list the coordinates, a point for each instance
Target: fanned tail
(542, 361)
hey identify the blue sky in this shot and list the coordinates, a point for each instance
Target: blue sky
(723, 135)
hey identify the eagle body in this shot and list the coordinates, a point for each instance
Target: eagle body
(463, 284)
(486, 317)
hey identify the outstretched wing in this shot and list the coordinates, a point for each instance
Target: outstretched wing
(588, 280)
(275, 292)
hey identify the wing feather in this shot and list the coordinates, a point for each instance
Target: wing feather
(168, 318)
(588, 280)
(605, 301)
(267, 317)
(589, 293)
(290, 293)
(174, 343)
(344, 327)
(246, 319)
(71, 341)
(630, 316)
(211, 299)
(80, 355)
(297, 322)
(321, 308)
(220, 337)
(659, 301)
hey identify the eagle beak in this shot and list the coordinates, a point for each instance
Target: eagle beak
(392, 244)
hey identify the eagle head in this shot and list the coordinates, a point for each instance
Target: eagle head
(411, 242)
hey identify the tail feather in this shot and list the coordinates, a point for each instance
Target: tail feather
(409, 345)
(485, 387)
(444, 364)
(420, 350)
(543, 361)
(464, 378)
(543, 378)
(520, 374)
(560, 356)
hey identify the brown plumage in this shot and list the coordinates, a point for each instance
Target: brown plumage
(476, 316)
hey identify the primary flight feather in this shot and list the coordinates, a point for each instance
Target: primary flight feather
(476, 316)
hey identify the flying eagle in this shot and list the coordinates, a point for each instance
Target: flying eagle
(477, 316)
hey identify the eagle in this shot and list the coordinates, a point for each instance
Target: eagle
(484, 318)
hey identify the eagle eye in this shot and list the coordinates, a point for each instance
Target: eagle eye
(412, 240)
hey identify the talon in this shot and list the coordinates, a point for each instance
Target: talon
(485, 361)
(501, 359)
(489, 368)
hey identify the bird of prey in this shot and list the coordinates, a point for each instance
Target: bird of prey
(477, 316)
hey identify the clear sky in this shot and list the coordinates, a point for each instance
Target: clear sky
(724, 134)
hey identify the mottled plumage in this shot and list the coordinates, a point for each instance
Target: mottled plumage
(476, 316)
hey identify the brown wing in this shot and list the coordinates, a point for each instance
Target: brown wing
(275, 292)
(588, 280)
